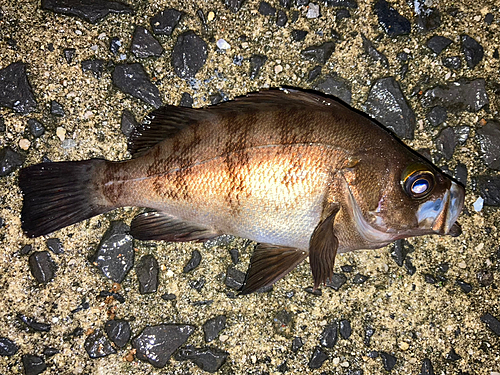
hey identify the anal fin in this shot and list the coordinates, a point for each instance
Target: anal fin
(160, 226)
(270, 263)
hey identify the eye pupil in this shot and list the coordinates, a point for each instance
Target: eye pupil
(417, 182)
(420, 186)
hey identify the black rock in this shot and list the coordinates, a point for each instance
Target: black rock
(488, 137)
(373, 53)
(336, 281)
(342, 3)
(461, 173)
(256, 62)
(117, 296)
(336, 86)
(390, 20)
(215, 98)
(114, 45)
(345, 329)
(446, 142)
(430, 279)
(115, 253)
(33, 324)
(472, 50)
(36, 128)
(233, 5)
(266, 9)
(82, 306)
(347, 268)
(147, 271)
(329, 336)
(133, 79)
(56, 109)
(193, 262)
(189, 54)
(42, 266)
(438, 43)
(318, 357)
(96, 66)
(91, 10)
(212, 327)
(55, 245)
(459, 96)
(155, 344)
(485, 277)
(26, 249)
(387, 104)
(164, 22)
(299, 35)
(319, 53)
(369, 332)
(492, 323)
(69, 54)
(2, 124)
(198, 284)
(33, 364)
(489, 188)
(186, 100)
(428, 19)
(342, 13)
(400, 250)
(466, 287)
(359, 279)
(488, 18)
(283, 367)
(7, 347)
(234, 278)
(209, 359)
(355, 372)
(452, 355)
(297, 343)
(128, 123)
(97, 345)
(410, 268)
(281, 18)
(427, 368)
(235, 256)
(285, 3)
(452, 62)
(372, 354)
(314, 292)
(144, 44)
(49, 352)
(168, 296)
(9, 161)
(118, 332)
(437, 115)
(388, 360)
(15, 90)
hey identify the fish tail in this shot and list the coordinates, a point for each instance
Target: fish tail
(59, 194)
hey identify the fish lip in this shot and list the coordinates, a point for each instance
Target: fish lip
(453, 202)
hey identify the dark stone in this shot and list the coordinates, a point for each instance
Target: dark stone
(342, 13)
(36, 128)
(97, 345)
(342, 3)
(329, 336)
(118, 332)
(209, 359)
(42, 266)
(56, 109)
(55, 245)
(235, 256)
(193, 262)
(299, 35)
(458, 96)
(128, 123)
(164, 22)
(347, 268)
(233, 5)
(15, 90)
(388, 360)
(319, 53)
(301, 3)
(2, 124)
(186, 100)
(410, 268)
(114, 45)
(50, 352)
(345, 329)
(212, 327)
(285, 3)
(256, 62)
(7, 347)
(189, 54)
(446, 142)
(496, 55)
(372, 354)
(427, 368)
(485, 277)
(438, 43)
(198, 284)
(33, 364)
(400, 250)
(92, 10)
(117, 296)
(33, 324)
(69, 54)
(96, 66)
(437, 115)
(453, 356)
(472, 50)
(461, 173)
(281, 18)
(82, 306)
(492, 323)
(489, 188)
(428, 19)
(359, 279)
(147, 271)
(387, 104)
(369, 332)
(26, 249)
(283, 367)
(234, 278)
(115, 253)
(144, 44)
(373, 53)
(155, 344)
(390, 20)
(488, 137)
(488, 18)
(336, 86)
(9, 161)
(336, 281)
(297, 343)
(318, 357)
(168, 296)
(132, 79)
(355, 372)
(452, 62)
(430, 279)
(314, 292)
(403, 56)
(215, 98)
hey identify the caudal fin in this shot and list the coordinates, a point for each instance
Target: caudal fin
(57, 195)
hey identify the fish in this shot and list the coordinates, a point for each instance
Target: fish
(300, 173)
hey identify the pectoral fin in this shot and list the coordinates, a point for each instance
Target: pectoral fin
(269, 264)
(322, 249)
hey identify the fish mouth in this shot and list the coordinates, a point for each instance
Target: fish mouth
(440, 215)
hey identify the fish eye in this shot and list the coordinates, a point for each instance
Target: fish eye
(417, 182)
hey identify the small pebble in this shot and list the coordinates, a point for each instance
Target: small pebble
(209, 359)
(97, 345)
(24, 144)
(193, 262)
(222, 44)
(33, 364)
(189, 54)
(313, 11)
(118, 332)
(147, 271)
(212, 327)
(388, 360)
(318, 357)
(42, 266)
(164, 22)
(7, 347)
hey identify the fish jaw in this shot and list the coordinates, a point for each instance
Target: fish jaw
(440, 215)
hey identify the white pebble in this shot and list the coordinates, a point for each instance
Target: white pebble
(478, 204)
(278, 69)
(222, 44)
(78, 32)
(94, 47)
(223, 338)
(61, 133)
(336, 361)
(170, 273)
(24, 144)
(211, 16)
(68, 143)
(312, 11)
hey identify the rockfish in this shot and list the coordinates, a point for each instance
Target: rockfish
(299, 173)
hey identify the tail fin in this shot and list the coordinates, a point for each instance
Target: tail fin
(58, 194)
